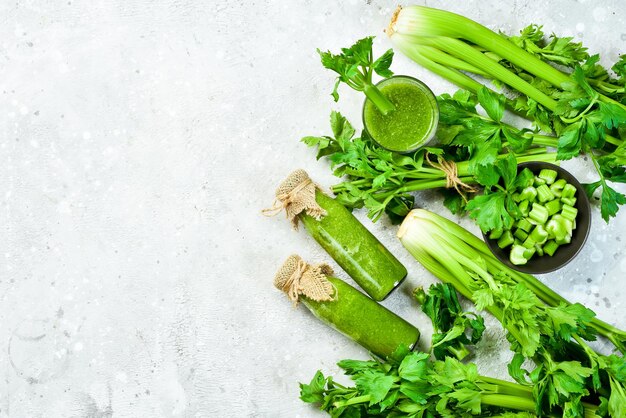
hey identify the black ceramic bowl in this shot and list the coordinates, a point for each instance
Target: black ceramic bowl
(565, 253)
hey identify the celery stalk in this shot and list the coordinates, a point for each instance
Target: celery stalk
(426, 21)
(475, 58)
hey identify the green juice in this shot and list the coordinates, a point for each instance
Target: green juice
(372, 325)
(354, 248)
(414, 121)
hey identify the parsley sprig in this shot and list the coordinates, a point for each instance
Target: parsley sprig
(409, 384)
(496, 208)
(355, 66)
(454, 328)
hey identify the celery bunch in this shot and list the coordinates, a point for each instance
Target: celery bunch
(582, 106)
(542, 326)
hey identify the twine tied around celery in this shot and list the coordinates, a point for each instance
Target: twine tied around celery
(296, 194)
(452, 177)
(298, 278)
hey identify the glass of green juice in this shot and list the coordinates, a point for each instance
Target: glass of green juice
(414, 121)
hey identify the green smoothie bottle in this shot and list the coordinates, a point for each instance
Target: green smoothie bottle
(341, 234)
(344, 308)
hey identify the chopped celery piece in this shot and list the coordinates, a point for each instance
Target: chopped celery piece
(496, 233)
(520, 234)
(516, 197)
(524, 225)
(569, 212)
(529, 193)
(565, 240)
(506, 239)
(538, 182)
(539, 213)
(569, 225)
(548, 175)
(539, 234)
(517, 255)
(539, 250)
(544, 194)
(568, 191)
(529, 252)
(529, 243)
(553, 206)
(568, 201)
(550, 247)
(557, 187)
(524, 207)
(556, 228)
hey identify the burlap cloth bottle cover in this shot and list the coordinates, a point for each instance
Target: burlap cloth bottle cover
(298, 278)
(296, 194)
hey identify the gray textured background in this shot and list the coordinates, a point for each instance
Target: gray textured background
(140, 142)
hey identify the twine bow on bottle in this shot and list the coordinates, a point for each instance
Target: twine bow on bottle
(298, 278)
(296, 194)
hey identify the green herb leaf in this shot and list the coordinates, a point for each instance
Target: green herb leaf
(610, 201)
(314, 391)
(496, 208)
(342, 129)
(468, 400)
(489, 211)
(570, 143)
(352, 367)
(375, 384)
(361, 51)
(414, 367)
(620, 68)
(492, 102)
(517, 141)
(355, 67)
(516, 371)
(451, 324)
(453, 201)
(579, 76)
(617, 400)
(382, 64)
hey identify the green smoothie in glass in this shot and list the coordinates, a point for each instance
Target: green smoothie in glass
(400, 112)
(413, 121)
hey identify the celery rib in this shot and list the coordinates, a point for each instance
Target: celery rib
(462, 50)
(450, 74)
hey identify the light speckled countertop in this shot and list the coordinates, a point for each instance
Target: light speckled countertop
(140, 142)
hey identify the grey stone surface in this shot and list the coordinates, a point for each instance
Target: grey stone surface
(140, 140)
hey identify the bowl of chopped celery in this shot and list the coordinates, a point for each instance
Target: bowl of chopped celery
(554, 223)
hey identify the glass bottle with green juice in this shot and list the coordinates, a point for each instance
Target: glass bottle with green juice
(339, 232)
(344, 308)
